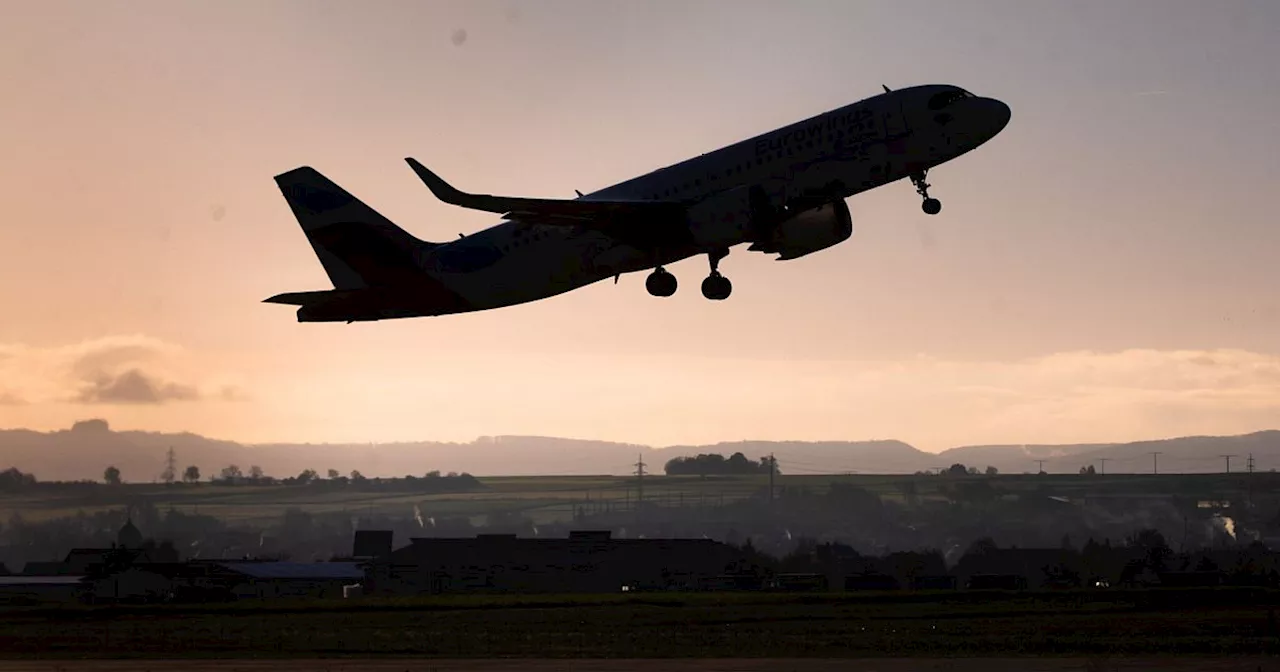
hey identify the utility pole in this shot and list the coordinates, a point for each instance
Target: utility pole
(640, 481)
(1103, 460)
(1228, 461)
(773, 469)
(1249, 491)
(1041, 463)
(171, 467)
(1155, 461)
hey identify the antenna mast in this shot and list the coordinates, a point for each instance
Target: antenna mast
(639, 465)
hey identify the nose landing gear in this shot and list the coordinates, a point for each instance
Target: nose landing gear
(931, 206)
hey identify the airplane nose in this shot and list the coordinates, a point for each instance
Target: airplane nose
(996, 115)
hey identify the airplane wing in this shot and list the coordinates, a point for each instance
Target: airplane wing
(568, 212)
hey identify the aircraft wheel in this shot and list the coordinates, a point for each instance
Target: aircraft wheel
(661, 283)
(931, 206)
(717, 287)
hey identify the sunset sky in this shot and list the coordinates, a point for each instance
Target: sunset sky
(1104, 270)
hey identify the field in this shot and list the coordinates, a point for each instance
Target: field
(749, 625)
(550, 498)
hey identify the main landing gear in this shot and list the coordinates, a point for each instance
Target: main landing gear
(931, 206)
(660, 282)
(716, 287)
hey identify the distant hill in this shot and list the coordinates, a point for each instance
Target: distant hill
(83, 451)
(1192, 454)
(1019, 458)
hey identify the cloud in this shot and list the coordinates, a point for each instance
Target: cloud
(134, 370)
(134, 387)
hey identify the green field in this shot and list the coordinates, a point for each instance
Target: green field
(1234, 622)
(550, 498)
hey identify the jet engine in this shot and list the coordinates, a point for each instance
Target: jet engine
(808, 231)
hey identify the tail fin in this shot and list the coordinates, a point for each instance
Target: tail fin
(358, 247)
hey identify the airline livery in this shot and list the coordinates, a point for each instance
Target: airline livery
(782, 193)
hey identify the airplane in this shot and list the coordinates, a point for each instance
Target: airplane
(782, 192)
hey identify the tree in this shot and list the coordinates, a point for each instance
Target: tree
(434, 473)
(1087, 471)
(307, 476)
(333, 474)
(992, 471)
(957, 470)
(255, 473)
(192, 474)
(111, 475)
(356, 475)
(13, 479)
(231, 473)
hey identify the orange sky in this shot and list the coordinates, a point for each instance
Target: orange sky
(1103, 270)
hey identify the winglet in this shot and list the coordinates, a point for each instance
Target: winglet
(443, 190)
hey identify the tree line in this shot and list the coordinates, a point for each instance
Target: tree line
(718, 465)
(12, 479)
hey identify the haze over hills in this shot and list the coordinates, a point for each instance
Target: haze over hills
(83, 451)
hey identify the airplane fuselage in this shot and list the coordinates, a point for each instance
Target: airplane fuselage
(826, 158)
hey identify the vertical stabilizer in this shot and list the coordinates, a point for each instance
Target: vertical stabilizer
(358, 247)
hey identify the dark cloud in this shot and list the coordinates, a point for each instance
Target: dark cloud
(11, 399)
(134, 387)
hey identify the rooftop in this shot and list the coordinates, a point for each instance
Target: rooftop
(7, 581)
(296, 570)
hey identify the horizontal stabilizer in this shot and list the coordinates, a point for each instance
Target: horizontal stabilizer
(302, 298)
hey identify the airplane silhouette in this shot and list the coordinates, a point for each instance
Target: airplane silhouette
(782, 193)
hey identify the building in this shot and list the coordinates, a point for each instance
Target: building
(585, 562)
(273, 580)
(136, 583)
(31, 590)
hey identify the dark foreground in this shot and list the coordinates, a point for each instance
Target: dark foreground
(1178, 626)
(686, 665)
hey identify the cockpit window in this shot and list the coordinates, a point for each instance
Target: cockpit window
(941, 100)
